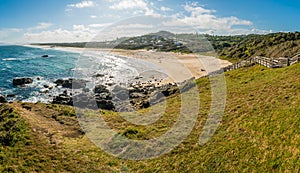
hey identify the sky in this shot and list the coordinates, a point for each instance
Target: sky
(27, 21)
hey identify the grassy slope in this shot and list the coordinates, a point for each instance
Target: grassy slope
(260, 132)
(271, 45)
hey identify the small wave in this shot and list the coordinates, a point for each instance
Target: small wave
(10, 59)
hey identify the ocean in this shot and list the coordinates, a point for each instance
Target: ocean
(21, 61)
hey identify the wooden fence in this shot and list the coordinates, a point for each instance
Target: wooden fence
(264, 61)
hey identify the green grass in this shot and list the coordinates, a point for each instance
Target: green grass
(260, 132)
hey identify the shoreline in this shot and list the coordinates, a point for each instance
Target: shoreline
(176, 71)
(178, 67)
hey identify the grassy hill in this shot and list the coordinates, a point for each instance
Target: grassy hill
(260, 132)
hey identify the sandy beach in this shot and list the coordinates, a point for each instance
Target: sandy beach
(178, 67)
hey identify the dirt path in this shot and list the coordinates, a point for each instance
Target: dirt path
(41, 121)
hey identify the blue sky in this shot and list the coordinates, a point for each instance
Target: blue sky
(81, 20)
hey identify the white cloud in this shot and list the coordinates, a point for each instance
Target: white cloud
(205, 19)
(128, 4)
(79, 33)
(83, 4)
(165, 9)
(197, 10)
(80, 28)
(192, 16)
(139, 6)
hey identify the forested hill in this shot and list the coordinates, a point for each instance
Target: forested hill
(270, 45)
(229, 47)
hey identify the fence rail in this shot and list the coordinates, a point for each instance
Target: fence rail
(264, 61)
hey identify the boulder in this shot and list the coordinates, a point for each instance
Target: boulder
(11, 95)
(87, 100)
(105, 96)
(105, 104)
(63, 99)
(59, 82)
(140, 103)
(100, 89)
(22, 81)
(2, 99)
(71, 83)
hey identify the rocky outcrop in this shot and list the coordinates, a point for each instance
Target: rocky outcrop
(63, 99)
(71, 83)
(90, 101)
(22, 81)
(134, 97)
(2, 99)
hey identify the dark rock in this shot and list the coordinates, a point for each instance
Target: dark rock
(105, 104)
(63, 99)
(71, 83)
(99, 75)
(11, 95)
(2, 99)
(22, 81)
(59, 82)
(87, 100)
(105, 96)
(169, 90)
(140, 103)
(45, 56)
(100, 89)
(145, 104)
(65, 93)
(110, 84)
